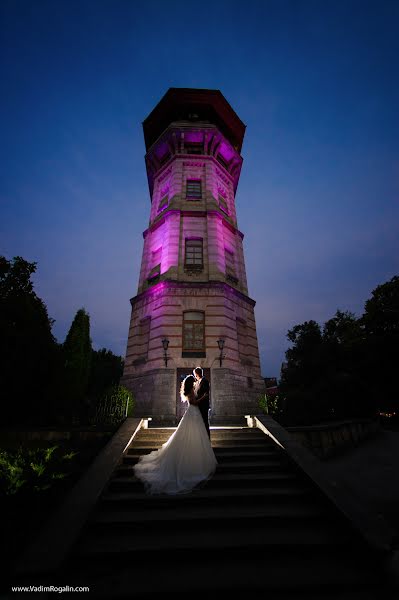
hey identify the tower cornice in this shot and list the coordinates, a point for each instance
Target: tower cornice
(166, 286)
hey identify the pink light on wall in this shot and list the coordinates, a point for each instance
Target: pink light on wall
(161, 236)
(195, 137)
(226, 151)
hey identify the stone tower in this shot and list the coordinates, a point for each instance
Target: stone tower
(192, 306)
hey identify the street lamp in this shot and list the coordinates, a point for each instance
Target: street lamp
(221, 346)
(165, 344)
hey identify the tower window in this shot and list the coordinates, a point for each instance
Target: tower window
(194, 148)
(223, 204)
(193, 331)
(223, 162)
(163, 203)
(194, 191)
(194, 254)
(155, 264)
(230, 262)
(230, 266)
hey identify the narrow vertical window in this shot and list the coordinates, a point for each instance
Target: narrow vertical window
(163, 203)
(222, 161)
(223, 204)
(155, 269)
(193, 331)
(194, 254)
(230, 265)
(194, 190)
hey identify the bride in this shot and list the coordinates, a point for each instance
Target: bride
(185, 459)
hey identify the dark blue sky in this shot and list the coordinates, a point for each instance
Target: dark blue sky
(316, 83)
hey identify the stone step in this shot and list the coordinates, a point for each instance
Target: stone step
(221, 457)
(211, 535)
(286, 475)
(250, 434)
(121, 483)
(233, 451)
(154, 443)
(241, 466)
(174, 515)
(221, 448)
(249, 466)
(144, 522)
(214, 430)
(253, 449)
(204, 497)
(292, 574)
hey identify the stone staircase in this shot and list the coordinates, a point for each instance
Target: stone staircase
(259, 525)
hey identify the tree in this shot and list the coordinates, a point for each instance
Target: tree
(325, 375)
(106, 370)
(381, 325)
(301, 381)
(27, 346)
(76, 352)
(344, 339)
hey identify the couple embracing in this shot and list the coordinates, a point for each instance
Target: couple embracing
(187, 458)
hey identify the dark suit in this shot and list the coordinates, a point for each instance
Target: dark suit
(204, 404)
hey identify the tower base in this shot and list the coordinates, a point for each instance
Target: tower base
(157, 395)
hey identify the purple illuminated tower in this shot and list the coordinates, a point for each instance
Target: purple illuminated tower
(192, 306)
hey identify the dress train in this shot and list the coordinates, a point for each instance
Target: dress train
(184, 461)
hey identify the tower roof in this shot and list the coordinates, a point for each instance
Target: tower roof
(191, 104)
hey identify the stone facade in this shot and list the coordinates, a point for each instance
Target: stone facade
(193, 264)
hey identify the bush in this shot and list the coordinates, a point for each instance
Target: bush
(269, 405)
(27, 471)
(116, 404)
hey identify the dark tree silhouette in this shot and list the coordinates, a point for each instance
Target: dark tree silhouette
(28, 349)
(106, 370)
(326, 372)
(76, 352)
(381, 325)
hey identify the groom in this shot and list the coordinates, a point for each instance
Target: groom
(202, 390)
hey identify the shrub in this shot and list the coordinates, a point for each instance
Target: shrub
(116, 404)
(32, 470)
(269, 405)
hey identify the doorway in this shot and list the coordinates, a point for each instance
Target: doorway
(180, 375)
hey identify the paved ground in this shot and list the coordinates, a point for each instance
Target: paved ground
(372, 472)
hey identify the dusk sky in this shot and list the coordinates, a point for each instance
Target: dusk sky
(315, 82)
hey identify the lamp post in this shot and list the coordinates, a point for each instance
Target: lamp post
(221, 346)
(165, 344)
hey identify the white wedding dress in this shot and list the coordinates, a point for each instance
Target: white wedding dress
(184, 461)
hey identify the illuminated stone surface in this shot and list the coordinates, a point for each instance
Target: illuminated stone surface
(193, 142)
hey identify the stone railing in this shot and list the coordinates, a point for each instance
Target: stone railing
(329, 439)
